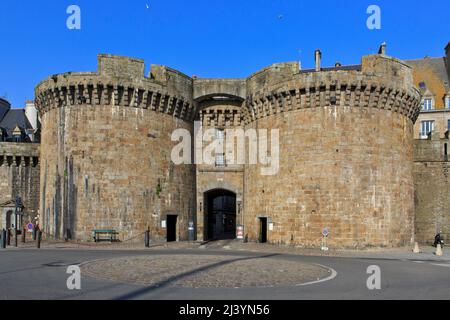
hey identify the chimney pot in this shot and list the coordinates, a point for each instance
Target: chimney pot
(318, 59)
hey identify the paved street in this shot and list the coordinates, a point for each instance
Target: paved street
(27, 273)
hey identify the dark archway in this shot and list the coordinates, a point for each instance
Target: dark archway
(220, 215)
(171, 228)
(9, 219)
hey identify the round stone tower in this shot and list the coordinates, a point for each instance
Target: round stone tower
(345, 154)
(106, 151)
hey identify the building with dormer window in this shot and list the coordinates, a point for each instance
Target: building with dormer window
(431, 76)
(19, 161)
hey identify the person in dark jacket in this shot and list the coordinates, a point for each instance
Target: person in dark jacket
(438, 240)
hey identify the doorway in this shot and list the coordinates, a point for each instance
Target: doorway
(263, 230)
(9, 220)
(220, 215)
(172, 228)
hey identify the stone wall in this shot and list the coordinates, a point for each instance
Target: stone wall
(204, 88)
(106, 151)
(19, 175)
(432, 188)
(346, 153)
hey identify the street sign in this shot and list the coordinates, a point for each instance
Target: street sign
(30, 227)
(325, 234)
(240, 232)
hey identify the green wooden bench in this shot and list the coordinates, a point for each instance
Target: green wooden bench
(111, 235)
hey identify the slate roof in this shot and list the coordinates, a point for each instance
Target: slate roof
(341, 68)
(4, 108)
(13, 118)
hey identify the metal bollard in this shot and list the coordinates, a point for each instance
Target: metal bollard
(8, 237)
(39, 238)
(147, 239)
(3, 241)
(24, 235)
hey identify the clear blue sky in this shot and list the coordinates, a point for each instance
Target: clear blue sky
(208, 38)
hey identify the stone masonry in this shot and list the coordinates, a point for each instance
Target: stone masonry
(432, 188)
(19, 176)
(105, 158)
(346, 152)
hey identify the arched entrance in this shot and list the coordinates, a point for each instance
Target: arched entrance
(220, 215)
(9, 220)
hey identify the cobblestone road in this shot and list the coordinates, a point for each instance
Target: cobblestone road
(212, 271)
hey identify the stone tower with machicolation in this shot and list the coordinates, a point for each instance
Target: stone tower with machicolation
(345, 160)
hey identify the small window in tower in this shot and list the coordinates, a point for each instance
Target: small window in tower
(220, 157)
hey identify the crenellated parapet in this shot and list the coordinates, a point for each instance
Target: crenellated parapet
(221, 117)
(19, 154)
(120, 81)
(380, 82)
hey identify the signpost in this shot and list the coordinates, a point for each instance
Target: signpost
(325, 234)
(240, 232)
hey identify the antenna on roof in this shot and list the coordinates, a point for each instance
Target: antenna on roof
(300, 59)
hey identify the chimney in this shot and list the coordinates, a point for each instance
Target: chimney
(382, 49)
(318, 59)
(31, 114)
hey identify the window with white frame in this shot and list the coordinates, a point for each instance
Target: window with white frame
(426, 127)
(220, 158)
(427, 104)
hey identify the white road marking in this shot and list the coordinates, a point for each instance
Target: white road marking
(331, 277)
(441, 265)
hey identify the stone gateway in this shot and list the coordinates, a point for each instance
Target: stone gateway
(345, 154)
